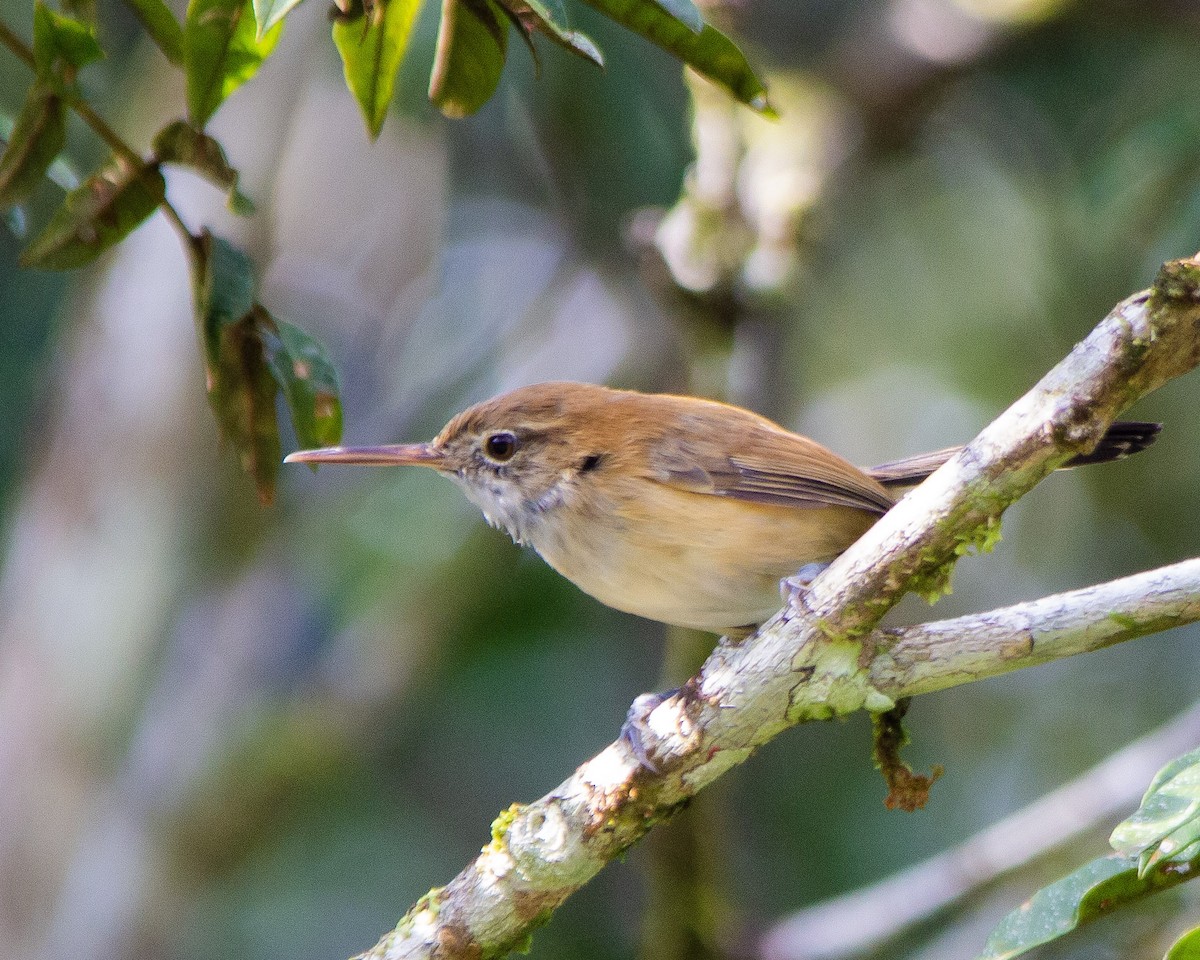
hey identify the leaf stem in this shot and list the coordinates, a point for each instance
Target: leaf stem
(97, 123)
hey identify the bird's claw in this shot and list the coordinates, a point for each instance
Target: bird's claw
(793, 588)
(633, 730)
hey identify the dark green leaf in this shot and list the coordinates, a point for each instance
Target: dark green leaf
(183, 144)
(35, 140)
(241, 389)
(103, 210)
(60, 42)
(1092, 891)
(685, 11)
(160, 23)
(221, 51)
(1186, 947)
(471, 46)
(372, 46)
(309, 383)
(710, 53)
(225, 288)
(267, 13)
(550, 18)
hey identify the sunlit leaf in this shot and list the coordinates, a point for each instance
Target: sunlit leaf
(1166, 827)
(1092, 891)
(160, 23)
(1187, 947)
(35, 140)
(60, 42)
(181, 143)
(103, 210)
(241, 388)
(472, 43)
(549, 17)
(709, 52)
(221, 51)
(309, 383)
(267, 13)
(372, 45)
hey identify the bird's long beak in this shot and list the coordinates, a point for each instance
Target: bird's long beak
(393, 455)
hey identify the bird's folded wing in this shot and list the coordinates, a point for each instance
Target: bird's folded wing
(795, 473)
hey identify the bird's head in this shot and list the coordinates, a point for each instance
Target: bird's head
(516, 456)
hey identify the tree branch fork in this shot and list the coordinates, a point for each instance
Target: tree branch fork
(823, 655)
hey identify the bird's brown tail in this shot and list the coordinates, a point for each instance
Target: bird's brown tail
(1123, 439)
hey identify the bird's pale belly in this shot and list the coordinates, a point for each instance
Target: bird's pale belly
(716, 571)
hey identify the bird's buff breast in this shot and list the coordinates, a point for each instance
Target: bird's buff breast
(689, 559)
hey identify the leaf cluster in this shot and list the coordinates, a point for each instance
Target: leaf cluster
(1155, 849)
(250, 357)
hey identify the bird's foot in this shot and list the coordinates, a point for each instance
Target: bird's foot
(634, 730)
(793, 588)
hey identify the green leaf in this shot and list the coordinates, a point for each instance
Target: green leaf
(372, 45)
(471, 46)
(267, 13)
(710, 53)
(1092, 891)
(226, 288)
(306, 375)
(685, 11)
(103, 210)
(36, 139)
(1187, 947)
(61, 43)
(221, 51)
(1166, 827)
(550, 18)
(160, 23)
(241, 388)
(181, 143)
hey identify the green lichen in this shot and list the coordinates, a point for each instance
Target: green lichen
(430, 902)
(933, 579)
(500, 827)
(1178, 280)
(1124, 621)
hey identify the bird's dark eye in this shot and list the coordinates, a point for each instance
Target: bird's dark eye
(500, 446)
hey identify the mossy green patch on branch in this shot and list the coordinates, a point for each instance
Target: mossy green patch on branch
(1176, 280)
(500, 827)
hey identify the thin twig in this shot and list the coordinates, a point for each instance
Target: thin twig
(865, 920)
(98, 125)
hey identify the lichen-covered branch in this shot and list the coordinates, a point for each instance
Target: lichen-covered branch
(946, 653)
(821, 656)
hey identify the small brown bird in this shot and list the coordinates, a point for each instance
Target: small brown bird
(675, 508)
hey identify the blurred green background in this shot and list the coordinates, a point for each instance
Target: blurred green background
(235, 733)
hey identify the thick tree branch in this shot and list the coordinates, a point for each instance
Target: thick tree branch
(817, 658)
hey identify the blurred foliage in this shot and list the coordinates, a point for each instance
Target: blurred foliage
(1157, 849)
(265, 734)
